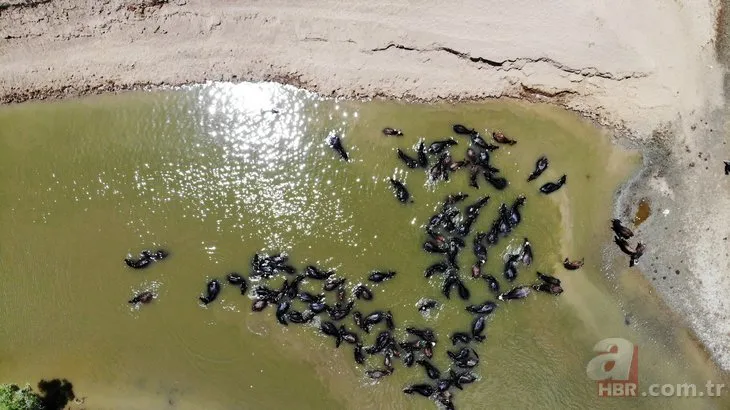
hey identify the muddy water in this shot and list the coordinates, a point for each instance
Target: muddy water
(213, 175)
(643, 211)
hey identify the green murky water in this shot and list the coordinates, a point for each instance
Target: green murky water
(211, 174)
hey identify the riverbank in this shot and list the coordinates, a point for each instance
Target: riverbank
(600, 61)
(659, 85)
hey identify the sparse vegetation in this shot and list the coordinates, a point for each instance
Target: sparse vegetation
(54, 395)
(13, 397)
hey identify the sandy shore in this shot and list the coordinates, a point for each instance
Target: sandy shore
(648, 69)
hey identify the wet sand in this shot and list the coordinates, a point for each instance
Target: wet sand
(659, 86)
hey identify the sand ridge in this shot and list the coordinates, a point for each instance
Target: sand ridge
(597, 58)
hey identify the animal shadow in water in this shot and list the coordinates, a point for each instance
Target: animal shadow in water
(56, 393)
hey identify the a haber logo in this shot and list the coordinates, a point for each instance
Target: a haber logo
(616, 368)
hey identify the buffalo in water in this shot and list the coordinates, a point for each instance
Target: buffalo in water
(477, 328)
(424, 390)
(549, 284)
(409, 161)
(462, 130)
(573, 265)
(378, 276)
(540, 167)
(212, 289)
(492, 283)
(548, 288)
(362, 292)
(437, 147)
(503, 139)
(401, 192)
(483, 308)
(334, 141)
(551, 187)
(146, 258)
(426, 305)
(519, 292)
(144, 298)
(526, 253)
(392, 132)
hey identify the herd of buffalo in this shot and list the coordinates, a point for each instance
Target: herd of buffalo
(295, 301)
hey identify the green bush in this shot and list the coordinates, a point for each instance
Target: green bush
(13, 397)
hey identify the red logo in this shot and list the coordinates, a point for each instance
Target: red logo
(616, 368)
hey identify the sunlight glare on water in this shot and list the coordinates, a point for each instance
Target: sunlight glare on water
(264, 135)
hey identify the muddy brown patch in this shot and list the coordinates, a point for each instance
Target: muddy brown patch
(643, 212)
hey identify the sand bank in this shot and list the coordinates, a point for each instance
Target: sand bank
(648, 69)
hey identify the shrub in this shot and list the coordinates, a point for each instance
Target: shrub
(13, 397)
